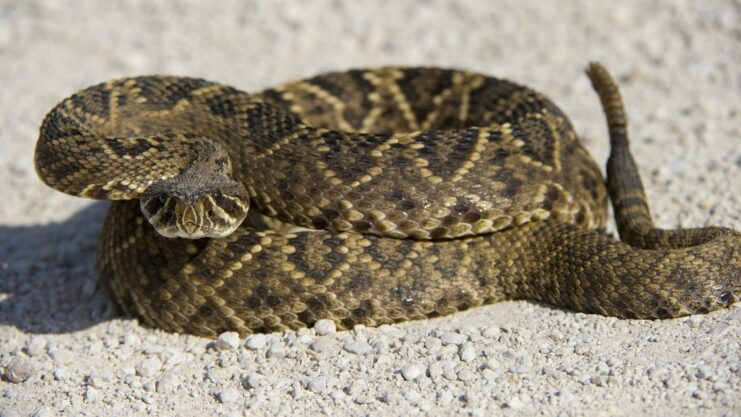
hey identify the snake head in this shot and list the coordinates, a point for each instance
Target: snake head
(195, 208)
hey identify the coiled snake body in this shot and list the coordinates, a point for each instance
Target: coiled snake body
(374, 196)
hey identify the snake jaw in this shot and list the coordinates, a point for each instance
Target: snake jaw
(209, 212)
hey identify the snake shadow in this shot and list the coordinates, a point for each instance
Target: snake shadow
(48, 282)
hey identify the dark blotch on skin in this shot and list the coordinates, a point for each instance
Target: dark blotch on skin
(273, 300)
(226, 204)
(253, 302)
(662, 313)
(406, 205)
(550, 198)
(222, 163)
(331, 213)
(317, 302)
(450, 220)
(320, 223)
(362, 226)
(155, 204)
(472, 217)
(461, 207)
(307, 317)
(221, 106)
(124, 149)
(439, 232)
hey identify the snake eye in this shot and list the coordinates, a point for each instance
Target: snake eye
(210, 213)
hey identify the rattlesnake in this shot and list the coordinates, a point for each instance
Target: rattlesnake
(376, 196)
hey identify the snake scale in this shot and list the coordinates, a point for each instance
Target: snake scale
(367, 196)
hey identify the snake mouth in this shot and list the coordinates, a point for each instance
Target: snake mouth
(191, 227)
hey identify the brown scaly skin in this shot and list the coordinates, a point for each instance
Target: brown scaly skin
(486, 177)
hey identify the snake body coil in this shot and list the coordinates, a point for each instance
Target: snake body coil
(374, 196)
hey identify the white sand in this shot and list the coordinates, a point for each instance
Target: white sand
(68, 353)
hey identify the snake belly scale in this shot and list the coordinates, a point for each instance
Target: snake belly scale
(367, 196)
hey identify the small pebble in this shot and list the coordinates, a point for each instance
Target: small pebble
(492, 332)
(598, 380)
(252, 381)
(435, 370)
(695, 321)
(393, 331)
(702, 372)
(130, 339)
(317, 385)
(469, 330)
(449, 370)
(412, 371)
(149, 367)
(363, 399)
(36, 346)
(62, 356)
(514, 403)
(168, 383)
(125, 371)
(98, 379)
(379, 344)
(412, 396)
(433, 343)
(92, 394)
(94, 347)
(357, 387)
(227, 341)
(445, 397)
(358, 347)
(8, 412)
(466, 374)
(150, 386)
(325, 327)
(451, 338)
(492, 364)
(44, 412)
(324, 344)
(227, 395)
(132, 381)
(489, 375)
(62, 374)
(256, 341)
(19, 370)
(467, 352)
(276, 352)
(556, 335)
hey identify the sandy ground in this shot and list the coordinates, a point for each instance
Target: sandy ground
(65, 351)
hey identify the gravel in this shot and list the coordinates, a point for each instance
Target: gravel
(19, 370)
(148, 367)
(228, 395)
(65, 349)
(412, 371)
(227, 341)
(256, 341)
(324, 327)
(358, 347)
